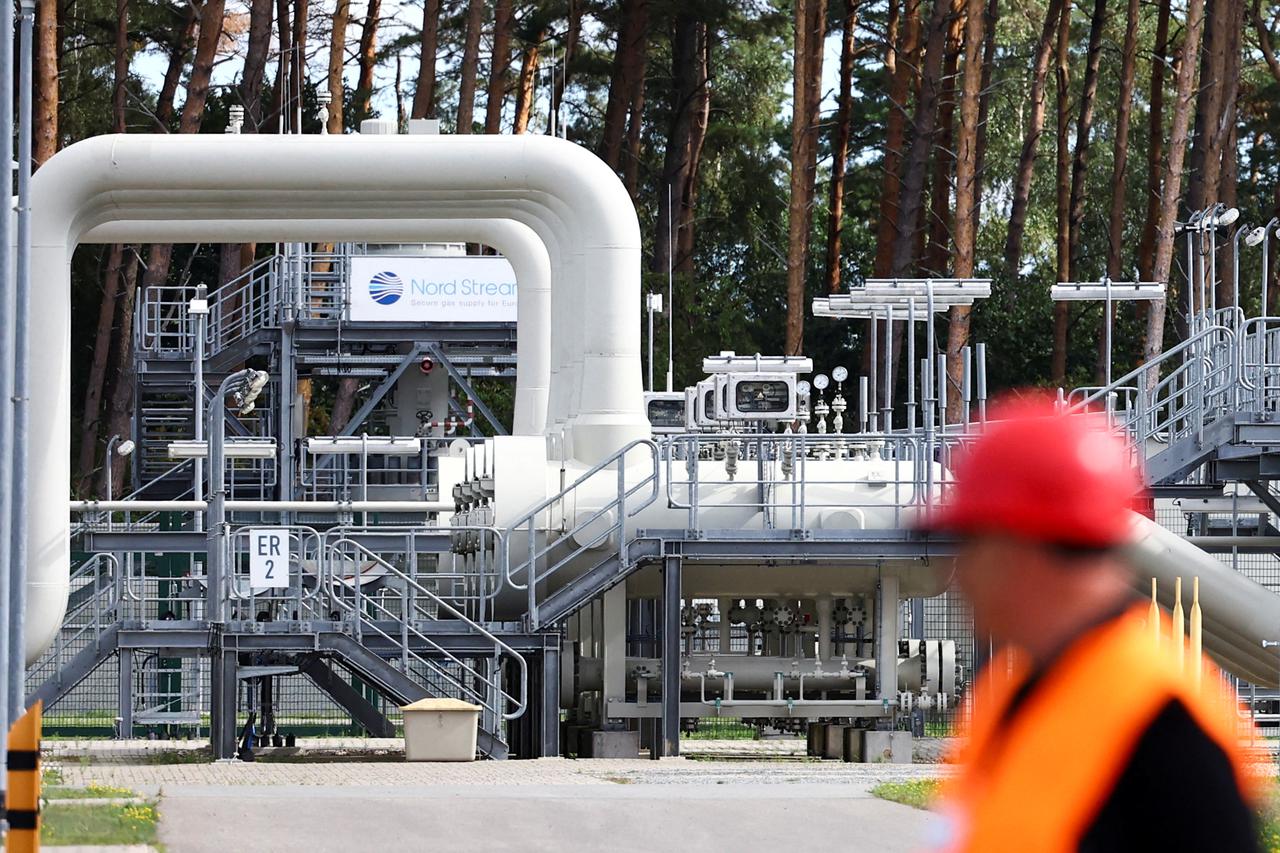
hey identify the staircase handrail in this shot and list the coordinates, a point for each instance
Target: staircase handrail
(476, 627)
(527, 523)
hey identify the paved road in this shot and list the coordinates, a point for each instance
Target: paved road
(482, 818)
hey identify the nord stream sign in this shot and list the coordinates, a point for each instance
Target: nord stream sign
(432, 290)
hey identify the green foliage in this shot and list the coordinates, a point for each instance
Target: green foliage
(69, 823)
(917, 793)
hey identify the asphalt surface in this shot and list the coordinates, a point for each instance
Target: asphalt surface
(596, 817)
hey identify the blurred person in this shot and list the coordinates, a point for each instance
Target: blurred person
(1086, 736)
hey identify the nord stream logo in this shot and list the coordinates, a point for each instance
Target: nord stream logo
(386, 288)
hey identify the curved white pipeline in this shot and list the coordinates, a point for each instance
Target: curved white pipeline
(294, 180)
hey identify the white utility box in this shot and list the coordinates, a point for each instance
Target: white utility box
(440, 730)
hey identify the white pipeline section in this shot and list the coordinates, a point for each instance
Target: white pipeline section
(1238, 613)
(219, 188)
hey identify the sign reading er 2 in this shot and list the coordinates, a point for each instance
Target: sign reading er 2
(269, 558)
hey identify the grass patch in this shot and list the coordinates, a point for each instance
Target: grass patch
(917, 793)
(67, 823)
(92, 791)
(50, 776)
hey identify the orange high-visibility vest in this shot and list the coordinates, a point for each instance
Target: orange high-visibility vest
(1037, 780)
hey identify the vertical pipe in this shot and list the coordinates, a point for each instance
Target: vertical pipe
(981, 371)
(875, 360)
(1153, 616)
(966, 380)
(886, 421)
(886, 638)
(671, 656)
(1178, 626)
(18, 560)
(202, 325)
(911, 364)
(8, 651)
(1106, 314)
(649, 307)
(862, 403)
(1197, 625)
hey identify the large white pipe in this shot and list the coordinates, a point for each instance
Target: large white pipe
(299, 179)
(515, 241)
(1238, 613)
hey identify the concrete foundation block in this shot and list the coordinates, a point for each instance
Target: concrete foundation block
(619, 744)
(886, 747)
(816, 734)
(833, 741)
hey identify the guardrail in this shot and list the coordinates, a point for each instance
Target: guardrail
(564, 540)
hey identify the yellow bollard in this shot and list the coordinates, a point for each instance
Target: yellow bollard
(1197, 626)
(1153, 615)
(22, 804)
(1178, 628)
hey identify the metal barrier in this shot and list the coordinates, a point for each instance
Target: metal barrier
(787, 487)
(605, 524)
(360, 608)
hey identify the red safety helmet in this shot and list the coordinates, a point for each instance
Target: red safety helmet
(1042, 475)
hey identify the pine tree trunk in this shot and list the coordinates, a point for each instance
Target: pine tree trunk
(840, 147)
(255, 63)
(572, 35)
(424, 96)
(937, 253)
(173, 73)
(284, 33)
(924, 124)
(700, 115)
(525, 85)
(44, 108)
(627, 68)
(91, 419)
(498, 66)
(686, 87)
(899, 71)
(1120, 162)
(120, 409)
(1171, 184)
(1084, 129)
(1061, 312)
(368, 61)
(810, 25)
(1155, 148)
(966, 203)
(1030, 142)
(337, 61)
(470, 62)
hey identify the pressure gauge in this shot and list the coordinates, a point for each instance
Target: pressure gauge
(802, 387)
(820, 382)
(840, 374)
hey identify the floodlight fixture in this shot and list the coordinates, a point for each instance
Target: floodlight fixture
(125, 448)
(1255, 236)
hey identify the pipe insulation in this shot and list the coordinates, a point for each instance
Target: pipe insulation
(217, 188)
(1238, 612)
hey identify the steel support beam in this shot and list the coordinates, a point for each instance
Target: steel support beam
(223, 694)
(670, 746)
(125, 707)
(465, 385)
(549, 719)
(381, 391)
(1264, 494)
(887, 633)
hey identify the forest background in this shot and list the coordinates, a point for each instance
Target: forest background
(775, 151)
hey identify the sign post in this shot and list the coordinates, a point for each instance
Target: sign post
(269, 558)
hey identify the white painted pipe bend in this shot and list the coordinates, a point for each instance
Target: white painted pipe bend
(556, 188)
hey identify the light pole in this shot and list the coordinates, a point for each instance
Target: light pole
(246, 384)
(198, 308)
(122, 447)
(653, 305)
(1108, 291)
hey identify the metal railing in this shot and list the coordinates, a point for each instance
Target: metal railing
(95, 596)
(571, 532)
(782, 476)
(361, 607)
